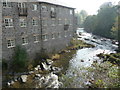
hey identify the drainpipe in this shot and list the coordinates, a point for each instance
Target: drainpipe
(41, 28)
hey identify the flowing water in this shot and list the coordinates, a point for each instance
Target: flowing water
(85, 57)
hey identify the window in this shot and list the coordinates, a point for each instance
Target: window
(66, 21)
(35, 7)
(65, 34)
(52, 9)
(44, 37)
(6, 3)
(44, 8)
(23, 22)
(21, 5)
(44, 22)
(36, 39)
(59, 21)
(71, 12)
(8, 22)
(53, 22)
(59, 36)
(10, 43)
(24, 40)
(53, 36)
(34, 22)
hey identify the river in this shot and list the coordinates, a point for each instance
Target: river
(86, 56)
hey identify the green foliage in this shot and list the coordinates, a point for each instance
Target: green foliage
(102, 23)
(81, 16)
(39, 57)
(4, 65)
(19, 62)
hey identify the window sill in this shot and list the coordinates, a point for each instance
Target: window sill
(45, 40)
(11, 46)
(25, 44)
(8, 26)
(23, 26)
(35, 25)
(36, 41)
(6, 7)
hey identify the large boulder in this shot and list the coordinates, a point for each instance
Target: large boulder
(23, 78)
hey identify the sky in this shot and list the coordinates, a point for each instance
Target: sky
(91, 6)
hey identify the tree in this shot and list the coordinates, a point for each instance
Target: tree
(19, 59)
(105, 20)
(81, 17)
(90, 23)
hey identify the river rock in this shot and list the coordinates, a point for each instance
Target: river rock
(24, 78)
(49, 61)
(31, 72)
(82, 60)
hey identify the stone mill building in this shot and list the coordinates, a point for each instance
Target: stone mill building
(35, 25)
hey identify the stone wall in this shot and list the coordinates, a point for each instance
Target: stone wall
(50, 44)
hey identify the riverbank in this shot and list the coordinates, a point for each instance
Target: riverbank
(59, 65)
(106, 73)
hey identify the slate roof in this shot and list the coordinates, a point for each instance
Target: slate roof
(56, 2)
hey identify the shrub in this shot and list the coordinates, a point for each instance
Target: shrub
(4, 65)
(19, 59)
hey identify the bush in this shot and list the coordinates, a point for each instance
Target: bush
(19, 59)
(4, 65)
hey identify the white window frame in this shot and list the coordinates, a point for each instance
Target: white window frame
(71, 12)
(36, 38)
(53, 35)
(59, 35)
(21, 5)
(53, 22)
(44, 22)
(45, 37)
(10, 43)
(59, 21)
(23, 22)
(65, 33)
(24, 40)
(52, 9)
(6, 4)
(8, 22)
(34, 22)
(35, 7)
(44, 8)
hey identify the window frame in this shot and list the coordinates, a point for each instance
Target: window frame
(35, 7)
(11, 43)
(22, 22)
(9, 22)
(46, 37)
(6, 4)
(34, 22)
(25, 41)
(36, 38)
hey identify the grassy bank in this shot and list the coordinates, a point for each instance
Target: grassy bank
(107, 73)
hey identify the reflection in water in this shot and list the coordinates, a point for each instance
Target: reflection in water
(85, 57)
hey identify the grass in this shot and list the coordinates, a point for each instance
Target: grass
(80, 44)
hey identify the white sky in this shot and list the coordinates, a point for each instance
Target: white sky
(91, 6)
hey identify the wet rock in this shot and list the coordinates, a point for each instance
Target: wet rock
(8, 83)
(36, 69)
(24, 78)
(37, 75)
(49, 61)
(49, 81)
(56, 70)
(31, 72)
(46, 67)
(82, 60)
(56, 57)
